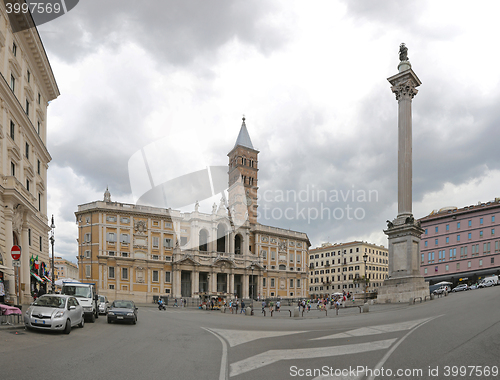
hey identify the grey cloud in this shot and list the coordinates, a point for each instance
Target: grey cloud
(171, 31)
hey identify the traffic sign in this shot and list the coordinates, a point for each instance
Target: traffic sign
(15, 252)
(16, 263)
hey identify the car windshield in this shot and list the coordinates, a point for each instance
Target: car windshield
(50, 301)
(77, 291)
(101, 298)
(123, 305)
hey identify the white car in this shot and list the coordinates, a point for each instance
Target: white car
(103, 305)
(54, 312)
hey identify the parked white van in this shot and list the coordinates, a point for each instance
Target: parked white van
(489, 281)
(86, 295)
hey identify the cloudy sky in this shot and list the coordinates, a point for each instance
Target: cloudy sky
(175, 78)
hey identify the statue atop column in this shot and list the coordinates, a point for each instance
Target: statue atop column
(403, 52)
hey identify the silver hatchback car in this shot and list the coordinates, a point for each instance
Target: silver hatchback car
(56, 312)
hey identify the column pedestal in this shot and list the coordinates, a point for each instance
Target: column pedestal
(404, 280)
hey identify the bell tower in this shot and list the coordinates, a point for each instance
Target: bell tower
(243, 170)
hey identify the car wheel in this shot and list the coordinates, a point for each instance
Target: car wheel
(67, 329)
(96, 315)
(109, 320)
(82, 322)
(134, 321)
(92, 319)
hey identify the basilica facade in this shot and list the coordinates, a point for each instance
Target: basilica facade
(139, 251)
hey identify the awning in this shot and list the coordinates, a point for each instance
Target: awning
(5, 269)
(37, 277)
(48, 279)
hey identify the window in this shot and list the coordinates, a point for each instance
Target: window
(168, 225)
(87, 270)
(447, 267)
(470, 223)
(264, 282)
(29, 236)
(291, 283)
(155, 276)
(273, 256)
(469, 264)
(167, 243)
(458, 266)
(27, 107)
(463, 252)
(493, 231)
(458, 225)
(447, 239)
(425, 243)
(272, 282)
(39, 202)
(38, 127)
(480, 263)
(111, 237)
(184, 240)
(480, 220)
(469, 236)
(156, 241)
(12, 83)
(87, 254)
(86, 238)
(458, 237)
(167, 277)
(12, 130)
(430, 257)
(29, 76)
(38, 163)
(426, 231)
(493, 219)
(298, 283)
(125, 220)
(447, 227)
(421, 259)
(111, 253)
(156, 257)
(39, 98)
(486, 248)
(111, 286)
(436, 242)
(12, 169)
(14, 49)
(493, 260)
(298, 258)
(480, 233)
(27, 151)
(425, 270)
(453, 253)
(111, 218)
(437, 229)
(124, 273)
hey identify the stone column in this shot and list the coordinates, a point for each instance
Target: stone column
(25, 266)
(404, 86)
(196, 283)
(231, 237)
(246, 284)
(9, 278)
(231, 283)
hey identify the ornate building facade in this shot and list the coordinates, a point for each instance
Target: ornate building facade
(337, 268)
(138, 252)
(27, 85)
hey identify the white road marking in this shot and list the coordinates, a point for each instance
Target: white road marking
(373, 330)
(236, 337)
(389, 353)
(223, 362)
(273, 356)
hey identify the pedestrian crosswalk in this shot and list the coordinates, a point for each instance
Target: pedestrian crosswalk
(366, 339)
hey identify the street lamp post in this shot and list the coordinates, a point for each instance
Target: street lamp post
(365, 258)
(52, 240)
(81, 266)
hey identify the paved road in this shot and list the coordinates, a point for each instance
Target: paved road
(462, 329)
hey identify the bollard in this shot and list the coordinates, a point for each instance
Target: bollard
(248, 311)
(204, 307)
(296, 312)
(411, 301)
(366, 308)
(222, 309)
(432, 297)
(290, 313)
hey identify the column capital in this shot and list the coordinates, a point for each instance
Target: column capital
(404, 84)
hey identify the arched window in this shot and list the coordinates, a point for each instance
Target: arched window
(221, 238)
(237, 244)
(203, 240)
(282, 267)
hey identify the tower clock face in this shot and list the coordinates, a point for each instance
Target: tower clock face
(249, 201)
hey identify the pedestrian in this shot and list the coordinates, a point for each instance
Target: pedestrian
(236, 305)
(242, 306)
(212, 304)
(271, 304)
(263, 306)
(278, 305)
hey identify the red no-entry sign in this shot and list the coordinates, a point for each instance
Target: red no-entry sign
(15, 252)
